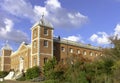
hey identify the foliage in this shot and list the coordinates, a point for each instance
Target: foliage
(105, 69)
(3, 74)
(32, 72)
(49, 69)
(21, 78)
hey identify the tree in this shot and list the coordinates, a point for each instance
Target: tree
(49, 69)
(32, 72)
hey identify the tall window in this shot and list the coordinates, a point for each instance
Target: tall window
(45, 43)
(45, 60)
(63, 49)
(45, 31)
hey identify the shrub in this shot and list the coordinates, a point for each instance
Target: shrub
(21, 78)
(3, 74)
(32, 72)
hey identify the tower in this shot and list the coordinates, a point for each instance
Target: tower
(42, 42)
(5, 58)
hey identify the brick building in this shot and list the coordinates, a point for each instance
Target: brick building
(42, 48)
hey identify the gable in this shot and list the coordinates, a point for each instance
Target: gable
(22, 47)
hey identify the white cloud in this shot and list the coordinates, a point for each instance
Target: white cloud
(100, 38)
(76, 38)
(7, 32)
(19, 8)
(117, 30)
(53, 3)
(103, 37)
(53, 11)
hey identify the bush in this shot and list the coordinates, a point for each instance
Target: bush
(21, 78)
(32, 72)
(3, 74)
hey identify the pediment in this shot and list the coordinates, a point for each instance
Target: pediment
(22, 47)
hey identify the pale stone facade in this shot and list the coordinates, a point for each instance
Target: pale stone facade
(42, 48)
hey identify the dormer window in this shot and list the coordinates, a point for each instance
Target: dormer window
(45, 31)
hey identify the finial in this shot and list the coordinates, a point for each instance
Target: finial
(42, 19)
(6, 43)
(43, 15)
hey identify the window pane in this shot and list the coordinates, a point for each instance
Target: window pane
(45, 31)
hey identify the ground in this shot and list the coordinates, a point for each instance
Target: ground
(19, 82)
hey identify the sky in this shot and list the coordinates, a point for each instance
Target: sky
(86, 21)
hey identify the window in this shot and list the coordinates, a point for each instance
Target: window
(96, 54)
(91, 53)
(84, 53)
(71, 50)
(63, 49)
(45, 31)
(101, 55)
(35, 33)
(62, 60)
(78, 51)
(34, 44)
(45, 60)
(45, 43)
(35, 61)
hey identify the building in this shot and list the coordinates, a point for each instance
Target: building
(42, 48)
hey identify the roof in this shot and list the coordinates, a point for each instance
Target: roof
(79, 44)
(43, 22)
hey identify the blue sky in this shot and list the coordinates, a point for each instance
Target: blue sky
(88, 21)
